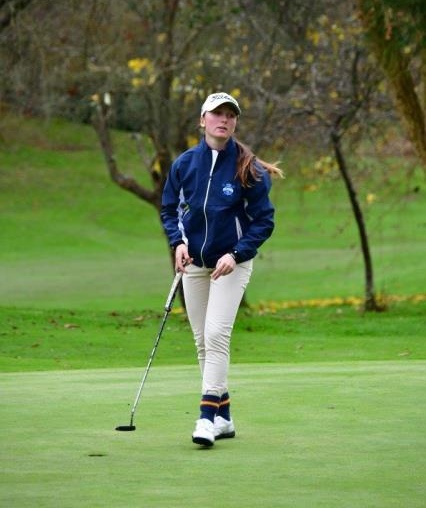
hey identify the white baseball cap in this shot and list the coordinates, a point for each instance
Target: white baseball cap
(216, 99)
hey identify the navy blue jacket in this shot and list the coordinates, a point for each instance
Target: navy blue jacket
(213, 213)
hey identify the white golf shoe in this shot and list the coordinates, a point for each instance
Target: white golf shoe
(223, 428)
(203, 433)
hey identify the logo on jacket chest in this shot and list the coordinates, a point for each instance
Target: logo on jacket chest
(228, 189)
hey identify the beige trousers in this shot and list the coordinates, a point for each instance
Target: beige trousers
(212, 307)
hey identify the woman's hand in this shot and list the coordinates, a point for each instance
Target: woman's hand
(224, 266)
(182, 258)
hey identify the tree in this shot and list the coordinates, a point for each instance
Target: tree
(396, 35)
(341, 94)
(146, 66)
(174, 72)
(53, 55)
(186, 54)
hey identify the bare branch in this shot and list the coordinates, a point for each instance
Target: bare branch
(11, 8)
(147, 161)
(100, 124)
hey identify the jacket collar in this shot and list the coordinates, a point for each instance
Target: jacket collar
(230, 147)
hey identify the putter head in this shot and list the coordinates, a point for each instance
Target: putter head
(125, 428)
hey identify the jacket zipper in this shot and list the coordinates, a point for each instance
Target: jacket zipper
(214, 159)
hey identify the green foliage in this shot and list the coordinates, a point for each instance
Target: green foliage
(401, 24)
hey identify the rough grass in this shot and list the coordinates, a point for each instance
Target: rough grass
(56, 339)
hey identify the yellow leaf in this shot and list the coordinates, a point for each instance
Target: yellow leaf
(156, 168)
(314, 36)
(137, 64)
(137, 82)
(371, 198)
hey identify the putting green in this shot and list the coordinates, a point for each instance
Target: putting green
(332, 435)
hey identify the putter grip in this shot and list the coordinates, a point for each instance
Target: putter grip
(173, 289)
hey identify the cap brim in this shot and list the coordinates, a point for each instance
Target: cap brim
(221, 103)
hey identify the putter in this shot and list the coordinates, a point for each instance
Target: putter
(167, 309)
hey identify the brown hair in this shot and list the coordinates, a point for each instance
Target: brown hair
(246, 168)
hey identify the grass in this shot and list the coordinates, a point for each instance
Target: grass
(337, 435)
(73, 240)
(328, 400)
(56, 339)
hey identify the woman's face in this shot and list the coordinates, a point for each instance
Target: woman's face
(220, 123)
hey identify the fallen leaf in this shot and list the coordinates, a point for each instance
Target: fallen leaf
(405, 353)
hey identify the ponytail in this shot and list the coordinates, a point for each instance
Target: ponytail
(246, 167)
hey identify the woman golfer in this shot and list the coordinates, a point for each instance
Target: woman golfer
(216, 213)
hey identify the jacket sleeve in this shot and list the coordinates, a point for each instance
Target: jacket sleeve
(260, 213)
(170, 206)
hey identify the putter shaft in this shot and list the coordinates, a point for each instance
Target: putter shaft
(167, 309)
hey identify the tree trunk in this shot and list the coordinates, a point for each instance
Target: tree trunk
(406, 100)
(370, 303)
(395, 64)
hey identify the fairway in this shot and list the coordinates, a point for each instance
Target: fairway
(347, 434)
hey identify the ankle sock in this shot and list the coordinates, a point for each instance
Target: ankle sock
(225, 407)
(209, 406)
